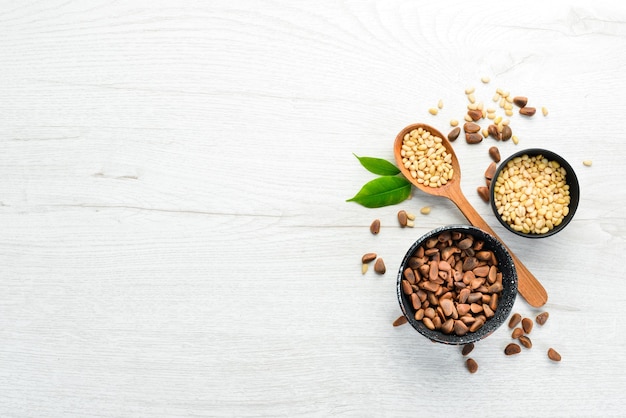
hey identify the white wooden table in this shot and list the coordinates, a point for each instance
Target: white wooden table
(175, 236)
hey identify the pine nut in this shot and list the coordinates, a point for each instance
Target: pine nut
(520, 101)
(527, 111)
(515, 139)
(454, 122)
(467, 348)
(440, 104)
(587, 163)
(525, 341)
(471, 98)
(368, 258)
(454, 134)
(515, 319)
(542, 318)
(527, 325)
(485, 79)
(496, 97)
(425, 210)
(544, 110)
(379, 266)
(364, 268)
(433, 111)
(400, 321)
(511, 349)
(553, 355)
(402, 218)
(470, 90)
(375, 226)
(468, 118)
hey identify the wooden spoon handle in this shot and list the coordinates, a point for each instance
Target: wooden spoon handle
(528, 286)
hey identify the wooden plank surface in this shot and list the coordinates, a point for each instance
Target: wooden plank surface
(175, 236)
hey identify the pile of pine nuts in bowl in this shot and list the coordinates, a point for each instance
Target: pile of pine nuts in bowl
(534, 193)
(456, 284)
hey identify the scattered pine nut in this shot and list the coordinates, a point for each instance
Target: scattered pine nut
(410, 216)
(485, 79)
(400, 321)
(364, 268)
(368, 257)
(587, 163)
(471, 98)
(491, 116)
(425, 210)
(440, 104)
(468, 118)
(496, 97)
(485, 132)
(433, 110)
(471, 365)
(469, 90)
(544, 110)
(472, 106)
(515, 139)
(553, 355)
(497, 120)
(505, 122)
(410, 223)
(379, 266)
(454, 122)
(508, 112)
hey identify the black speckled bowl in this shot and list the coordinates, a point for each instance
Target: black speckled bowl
(507, 297)
(570, 179)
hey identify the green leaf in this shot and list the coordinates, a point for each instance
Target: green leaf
(383, 191)
(378, 166)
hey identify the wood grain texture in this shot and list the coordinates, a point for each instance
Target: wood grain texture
(175, 236)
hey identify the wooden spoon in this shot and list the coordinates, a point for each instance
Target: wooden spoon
(528, 286)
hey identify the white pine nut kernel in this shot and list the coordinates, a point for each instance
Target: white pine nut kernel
(544, 110)
(469, 90)
(440, 104)
(485, 79)
(454, 122)
(433, 111)
(587, 163)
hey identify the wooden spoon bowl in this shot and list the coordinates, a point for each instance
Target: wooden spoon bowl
(528, 286)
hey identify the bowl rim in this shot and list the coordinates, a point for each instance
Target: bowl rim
(571, 180)
(505, 305)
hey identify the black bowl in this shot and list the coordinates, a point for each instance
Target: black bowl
(570, 179)
(506, 299)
